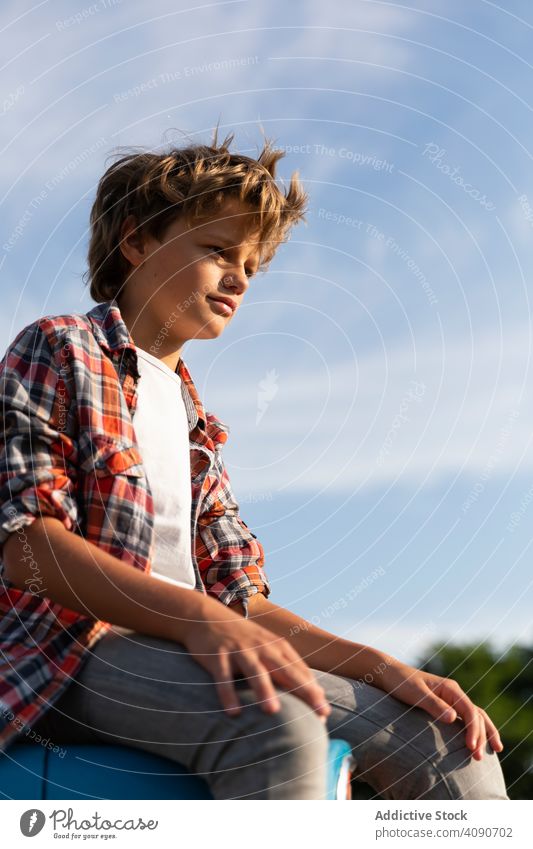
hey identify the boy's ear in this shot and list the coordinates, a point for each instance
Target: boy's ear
(132, 241)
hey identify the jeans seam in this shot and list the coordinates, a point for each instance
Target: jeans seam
(406, 742)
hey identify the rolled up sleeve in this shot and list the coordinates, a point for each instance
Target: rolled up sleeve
(37, 456)
(230, 557)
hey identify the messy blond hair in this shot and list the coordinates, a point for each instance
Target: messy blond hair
(193, 182)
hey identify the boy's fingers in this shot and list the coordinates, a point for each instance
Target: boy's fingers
(260, 681)
(298, 678)
(482, 738)
(471, 720)
(479, 725)
(436, 707)
(225, 684)
(492, 732)
(320, 702)
(476, 738)
(262, 674)
(466, 709)
(479, 729)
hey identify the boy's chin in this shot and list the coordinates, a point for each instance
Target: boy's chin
(211, 330)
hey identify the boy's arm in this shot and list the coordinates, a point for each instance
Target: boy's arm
(78, 575)
(442, 698)
(320, 649)
(38, 475)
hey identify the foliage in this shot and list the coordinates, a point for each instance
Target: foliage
(502, 684)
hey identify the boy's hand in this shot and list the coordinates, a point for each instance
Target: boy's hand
(231, 646)
(443, 699)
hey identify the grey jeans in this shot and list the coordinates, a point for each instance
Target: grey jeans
(149, 693)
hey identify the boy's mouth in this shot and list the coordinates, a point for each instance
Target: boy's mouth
(223, 305)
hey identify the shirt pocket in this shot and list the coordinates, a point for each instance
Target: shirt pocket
(105, 456)
(117, 505)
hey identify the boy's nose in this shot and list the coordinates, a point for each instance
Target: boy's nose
(238, 283)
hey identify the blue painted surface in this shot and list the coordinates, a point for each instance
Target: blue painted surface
(30, 771)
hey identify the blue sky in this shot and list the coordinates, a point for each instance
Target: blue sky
(377, 380)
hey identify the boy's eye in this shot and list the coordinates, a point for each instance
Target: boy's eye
(219, 250)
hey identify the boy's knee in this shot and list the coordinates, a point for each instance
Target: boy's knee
(429, 760)
(299, 723)
(432, 764)
(293, 735)
(468, 778)
(280, 755)
(297, 749)
(458, 776)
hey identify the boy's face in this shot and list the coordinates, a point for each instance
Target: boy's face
(169, 296)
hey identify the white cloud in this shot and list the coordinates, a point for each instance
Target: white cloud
(326, 429)
(410, 641)
(84, 64)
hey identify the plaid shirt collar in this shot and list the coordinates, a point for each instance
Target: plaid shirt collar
(112, 334)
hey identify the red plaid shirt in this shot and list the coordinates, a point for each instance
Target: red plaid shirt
(68, 450)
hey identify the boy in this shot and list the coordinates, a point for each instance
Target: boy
(115, 503)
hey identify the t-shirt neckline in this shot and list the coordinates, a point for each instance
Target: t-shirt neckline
(150, 358)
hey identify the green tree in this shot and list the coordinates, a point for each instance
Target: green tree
(502, 684)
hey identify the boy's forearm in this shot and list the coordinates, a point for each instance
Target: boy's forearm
(320, 649)
(78, 575)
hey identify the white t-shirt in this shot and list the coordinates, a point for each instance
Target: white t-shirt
(162, 432)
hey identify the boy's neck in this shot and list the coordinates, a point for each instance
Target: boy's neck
(145, 338)
(172, 364)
